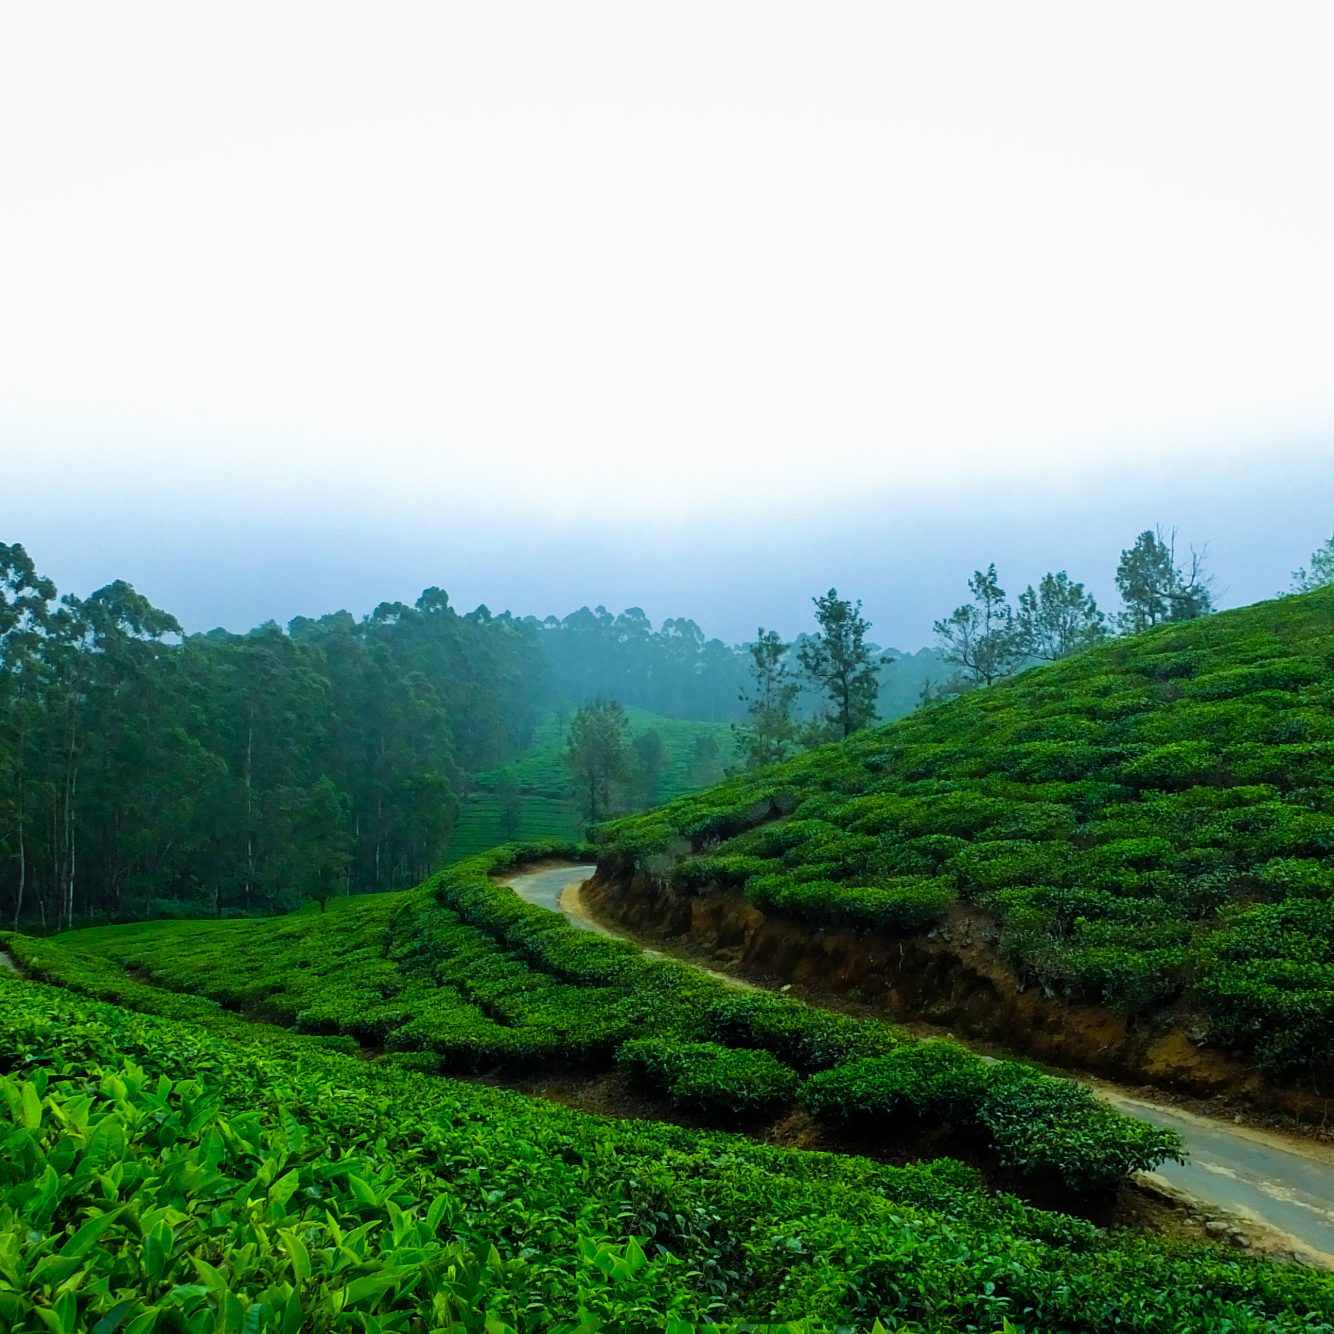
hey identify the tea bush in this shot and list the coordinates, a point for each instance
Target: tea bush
(1035, 1124)
(928, 1083)
(806, 1038)
(1107, 809)
(158, 1176)
(1038, 1124)
(465, 976)
(723, 1082)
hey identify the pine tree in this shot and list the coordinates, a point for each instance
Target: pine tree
(1155, 589)
(838, 662)
(771, 732)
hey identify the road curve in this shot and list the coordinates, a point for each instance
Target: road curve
(1279, 1188)
(546, 887)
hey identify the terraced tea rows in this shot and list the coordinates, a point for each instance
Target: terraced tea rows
(464, 976)
(1149, 823)
(156, 1175)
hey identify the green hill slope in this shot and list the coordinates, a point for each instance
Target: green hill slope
(1149, 822)
(463, 976)
(185, 1169)
(159, 1176)
(531, 797)
(541, 769)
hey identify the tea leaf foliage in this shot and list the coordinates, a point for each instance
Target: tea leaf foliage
(1149, 822)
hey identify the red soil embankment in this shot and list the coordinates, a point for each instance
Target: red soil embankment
(952, 975)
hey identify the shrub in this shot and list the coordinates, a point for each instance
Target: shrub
(157, 1175)
(934, 1081)
(1035, 1123)
(1038, 1124)
(1299, 877)
(696, 872)
(903, 905)
(798, 1035)
(721, 1082)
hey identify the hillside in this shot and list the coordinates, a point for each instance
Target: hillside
(463, 976)
(531, 796)
(160, 1175)
(172, 1163)
(541, 768)
(1144, 830)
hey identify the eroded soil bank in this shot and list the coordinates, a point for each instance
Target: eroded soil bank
(953, 976)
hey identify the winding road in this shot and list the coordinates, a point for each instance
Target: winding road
(1276, 1190)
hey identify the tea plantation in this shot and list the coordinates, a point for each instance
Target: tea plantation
(1150, 822)
(203, 1174)
(463, 976)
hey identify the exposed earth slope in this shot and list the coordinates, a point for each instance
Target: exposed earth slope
(1121, 860)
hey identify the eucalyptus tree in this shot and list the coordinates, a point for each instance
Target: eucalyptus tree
(25, 603)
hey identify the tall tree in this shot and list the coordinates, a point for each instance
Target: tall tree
(837, 661)
(1058, 619)
(673, 671)
(1155, 589)
(598, 755)
(25, 598)
(771, 732)
(705, 766)
(651, 757)
(1321, 573)
(237, 772)
(981, 638)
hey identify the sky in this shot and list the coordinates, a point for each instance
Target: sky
(703, 308)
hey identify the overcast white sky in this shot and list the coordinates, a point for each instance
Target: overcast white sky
(696, 306)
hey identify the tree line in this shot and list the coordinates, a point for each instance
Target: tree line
(238, 772)
(246, 772)
(984, 640)
(675, 670)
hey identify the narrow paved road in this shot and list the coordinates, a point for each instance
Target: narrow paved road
(1283, 1184)
(544, 888)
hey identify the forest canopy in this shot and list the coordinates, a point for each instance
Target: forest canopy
(233, 771)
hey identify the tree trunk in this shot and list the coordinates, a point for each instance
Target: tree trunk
(249, 828)
(70, 826)
(23, 861)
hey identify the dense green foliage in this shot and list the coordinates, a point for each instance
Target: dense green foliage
(1149, 820)
(695, 753)
(465, 976)
(708, 1077)
(673, 670)
(145, 773)
(676, 672)
(158, 1175)
(484, 821)
(1036, 1123)
(140, 771)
